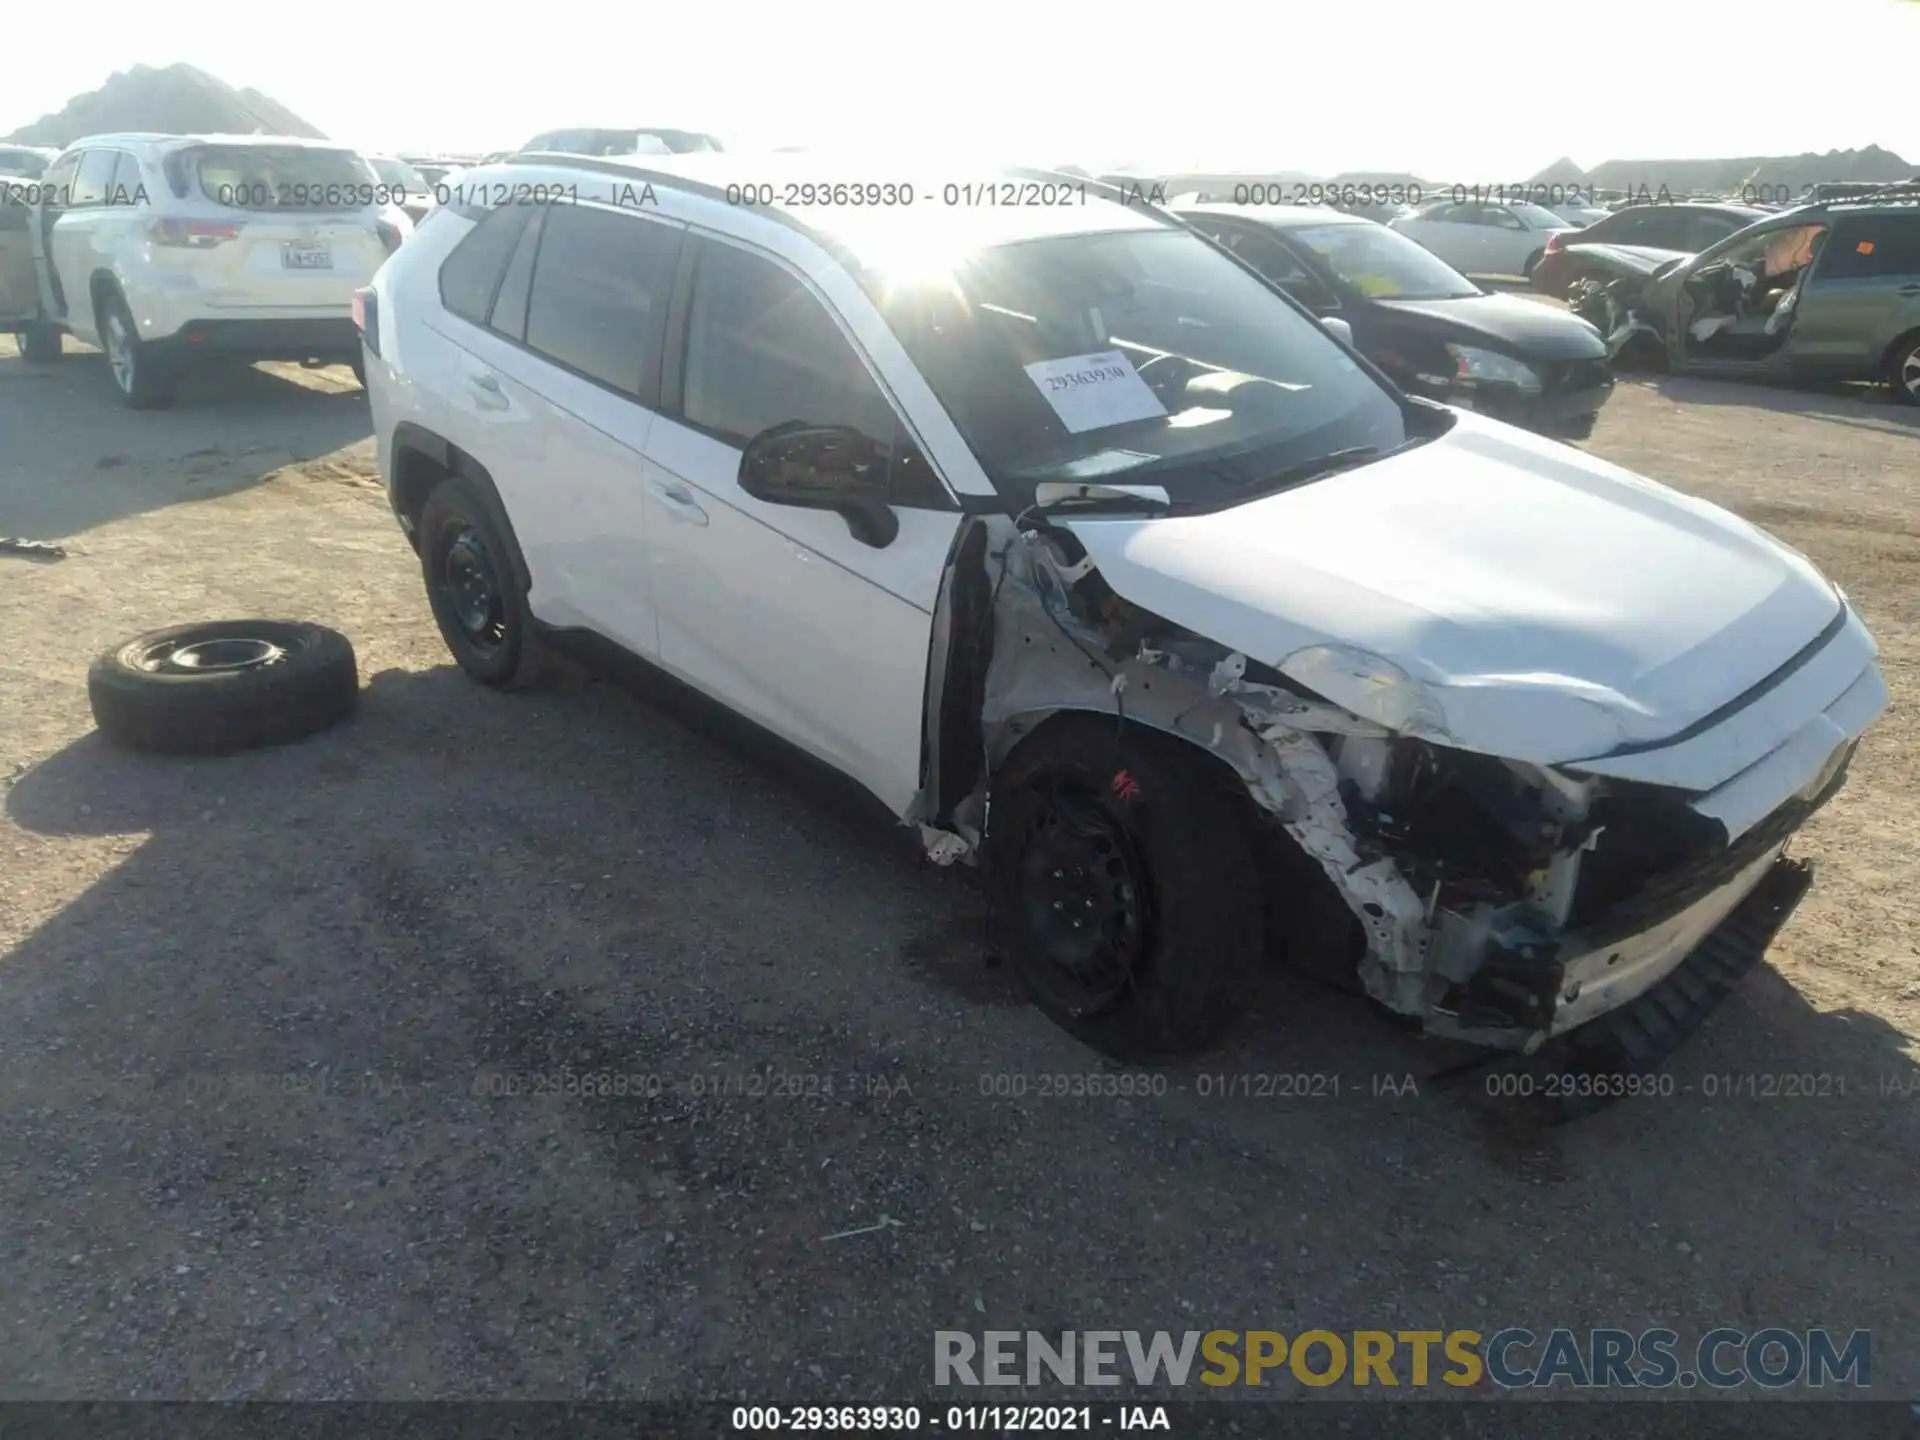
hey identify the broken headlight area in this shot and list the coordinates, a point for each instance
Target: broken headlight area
(1494, 901)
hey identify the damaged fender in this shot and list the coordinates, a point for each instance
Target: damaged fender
(1047, 659)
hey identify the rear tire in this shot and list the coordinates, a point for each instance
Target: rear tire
(482, 614)
(222, 685)
(40, 344)
(143, 377)
(1123, 886)
(359, 370)
(1533, 260)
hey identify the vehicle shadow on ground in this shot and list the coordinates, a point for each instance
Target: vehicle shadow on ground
(458, 890)
(1866, 406)
(415, 735)
(95, 461)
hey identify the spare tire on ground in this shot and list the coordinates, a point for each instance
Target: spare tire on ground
(222, 685)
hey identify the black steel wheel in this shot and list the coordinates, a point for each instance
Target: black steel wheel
(469, 573)
(1083, 901)
(1123, 885)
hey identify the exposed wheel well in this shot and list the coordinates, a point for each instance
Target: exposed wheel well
(421, 460)
(1901, 344)
(1307, 920)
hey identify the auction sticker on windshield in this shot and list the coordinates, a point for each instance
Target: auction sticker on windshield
(1091, 392)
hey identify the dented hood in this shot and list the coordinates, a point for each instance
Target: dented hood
(1525, 598)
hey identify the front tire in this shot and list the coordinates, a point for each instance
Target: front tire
(482, 614)
(1123, 886)
(144, 379)
(1903, 369)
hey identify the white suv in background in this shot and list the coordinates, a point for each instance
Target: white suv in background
(1012, 492)
(164, 249)
(1480, 237)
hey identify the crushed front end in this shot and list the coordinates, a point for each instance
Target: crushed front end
(1497, 902)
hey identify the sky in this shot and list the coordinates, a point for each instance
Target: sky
(1487, 92)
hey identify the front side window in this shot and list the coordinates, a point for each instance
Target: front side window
(1266, 253)
(1137, 355)
(763, 351)
(598, 282)
(1382, 263)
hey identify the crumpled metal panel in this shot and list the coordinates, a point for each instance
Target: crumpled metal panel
(1046, 660)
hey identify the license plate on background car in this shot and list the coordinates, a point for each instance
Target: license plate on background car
(307, 255)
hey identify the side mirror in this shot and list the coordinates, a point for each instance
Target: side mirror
(1338, 328)
(824, 467)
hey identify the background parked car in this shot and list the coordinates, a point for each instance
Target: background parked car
(1828, 291)
(1579, 214)
(1426, 325)
(165, 249)
(1478, 237)
(415, 190)
(25, 162)
(643, 141)
(1678, 229)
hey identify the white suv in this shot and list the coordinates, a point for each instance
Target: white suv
(1013, 493)
(162, 249)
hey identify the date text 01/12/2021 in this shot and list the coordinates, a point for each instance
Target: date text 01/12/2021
(967, 194)
(955, 1419)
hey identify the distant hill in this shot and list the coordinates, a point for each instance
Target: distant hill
(177, 100)
(1726, 177)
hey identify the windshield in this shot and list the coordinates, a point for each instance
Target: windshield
(277, 177)
(399, 175)
(1137, 355)
(1538, 217)
(1383, 263)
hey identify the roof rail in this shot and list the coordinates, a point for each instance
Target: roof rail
(1890, 190)
(706, 189)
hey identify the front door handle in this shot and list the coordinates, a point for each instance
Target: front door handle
(678, 499)
(487, 392)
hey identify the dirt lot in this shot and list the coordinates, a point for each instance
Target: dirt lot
(248, 1004)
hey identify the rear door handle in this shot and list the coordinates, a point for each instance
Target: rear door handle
(679, 501)
(489, 394)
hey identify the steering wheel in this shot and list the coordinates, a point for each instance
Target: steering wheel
(1165, 374)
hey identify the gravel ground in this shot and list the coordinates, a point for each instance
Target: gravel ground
(256, 1010)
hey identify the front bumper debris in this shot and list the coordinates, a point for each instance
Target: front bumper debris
(1637, 1038)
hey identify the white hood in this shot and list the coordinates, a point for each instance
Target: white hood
(1551, 606)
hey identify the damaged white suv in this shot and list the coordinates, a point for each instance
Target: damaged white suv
(1097, 559)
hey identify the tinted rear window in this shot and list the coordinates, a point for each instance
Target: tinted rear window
(273, 177)
(470, 275)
